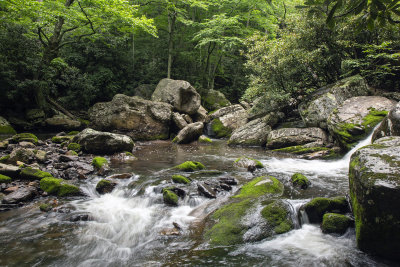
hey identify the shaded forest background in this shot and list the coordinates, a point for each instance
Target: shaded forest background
(245, 49)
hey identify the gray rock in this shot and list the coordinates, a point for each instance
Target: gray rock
(390, 126)
(225, 120)
(374, 190)
(190, 133)
(214, 100)
(287, 137)
(206, 190)
(179, 121)
(180, 94)
(93, 141)
(315, 112)
(9, 170)
(140, 119)
(144, 91)
(254, 133)
(63, 122)
(21, 154)
(22, 194)
(201, 115)
(356, 118)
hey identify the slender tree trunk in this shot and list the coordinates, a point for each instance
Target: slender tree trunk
(133, 52)
(171, 31)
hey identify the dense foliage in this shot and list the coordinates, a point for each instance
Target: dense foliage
(83, 51)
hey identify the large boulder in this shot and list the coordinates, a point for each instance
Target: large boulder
(190, 133)
(306, 137)
(390, 126)
(254, 133)
(92, 141)
(62, 122)
(356, 118)
(225, 120)
(374, 176)
(5, 127)
(140, 119)
(265, 105)
(316, 110)
(180, 94)
(214, 100)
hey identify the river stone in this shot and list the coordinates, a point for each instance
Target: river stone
(9, 170)
(374, 190)
(316, 110)
(5, 127)
(93, 141)
(20, 195)
(356, 118)
(225, 120)
(62, 122)
(140, 119)
(254, 133)
(214, 100)
(180, 94)
(190, 133)
(206, 190)
(287, 137)
(21, 154)
(390, 126)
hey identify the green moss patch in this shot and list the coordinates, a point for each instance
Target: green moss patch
(170, 197)
(263, 185)
(58, 187)
(73, 133)
(74, 147)
(27, 137)
(4, 159)
(300, 150)
(219, 129)
(99, 162)
(278, 217)
(180, 179)
(335, 223)
(33, 174)
(7, 129)
(244, 162)
(61, 139)
(45, 207)
(204, 139)
(373, 118)
(5, 179)
(190, 166)
(299, 179)
(317, 207)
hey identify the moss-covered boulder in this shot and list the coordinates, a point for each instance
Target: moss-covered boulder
(333, 223)
(170, 197)
(45, 207)
(99, 162)
(180, 179)
(225, 120)
(58, 187)
(61, 139)
(261, 186)
(105, 186)
(277, 215)
(300, 180)
(190, 166)
(74, 147)
(246, 162)
(5, 179)
(21, 154)
(214, 100)
(28, 137)
(357, 117)
(33, 174)
(5, 127)
(374, 178)
(73, 133)
(317, 207)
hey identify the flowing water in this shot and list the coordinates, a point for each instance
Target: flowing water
(126, 224)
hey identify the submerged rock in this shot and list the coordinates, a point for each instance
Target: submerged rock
(105, 186)
(206, 190)
(374, 190)
(92, 141)
(180, 94)
(300, 180)
(170, 197)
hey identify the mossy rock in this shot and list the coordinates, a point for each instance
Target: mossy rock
(129, 154)
(261, 186)
(190, 166)
(99, 162)
(333, 223)
(4, 159)
(245, 162)
(61, 139)
(205, 140)
(27, 137)
(219, 129)
(180, 179)
(73, 133)
(33, 174)
(5, 179)
(300, 180)
(7, 129)
(74, 147)
(105, 186)
(229, 229)
(73, 153)
(170, 197)
(300, 150)
(278, 216)
(45, 207)
(58, 187)
(317, 207)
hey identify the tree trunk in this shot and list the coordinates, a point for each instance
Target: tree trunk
(171, 30)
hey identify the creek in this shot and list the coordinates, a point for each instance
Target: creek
(126, 224)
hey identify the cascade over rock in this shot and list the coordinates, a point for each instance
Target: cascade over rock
(356, 117)
(180, 94)
(374, 190)
(315, 112)
(140, 119)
